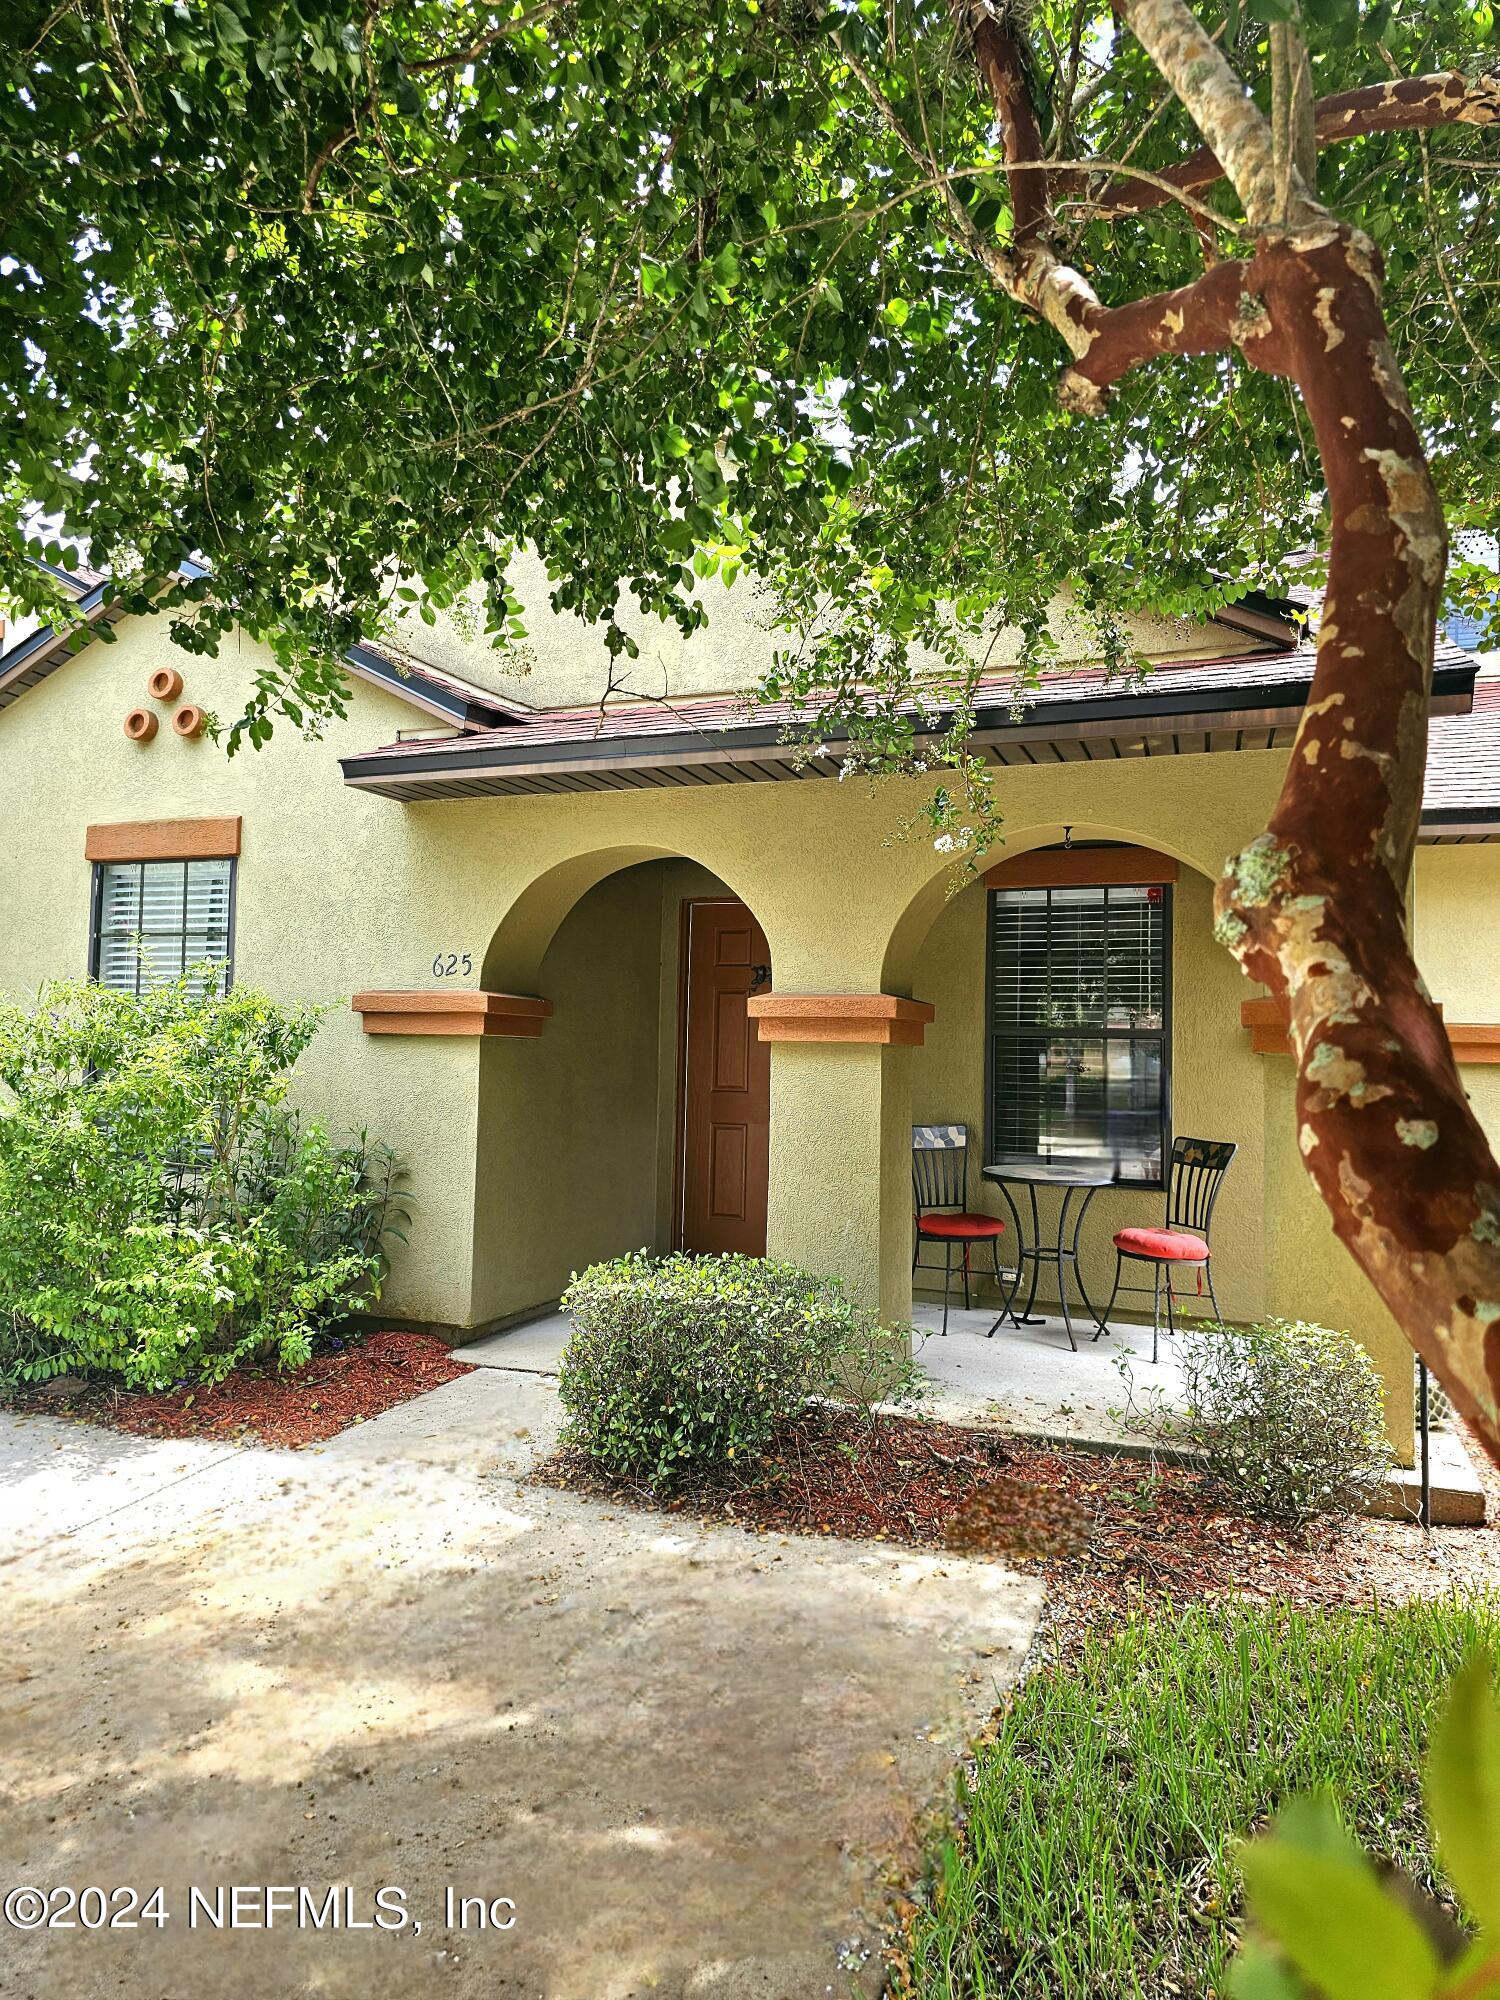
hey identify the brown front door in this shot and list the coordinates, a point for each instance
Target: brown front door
(726, 1082)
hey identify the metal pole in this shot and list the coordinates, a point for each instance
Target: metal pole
(1424, 1417)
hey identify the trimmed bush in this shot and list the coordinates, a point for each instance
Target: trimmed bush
(1288, 1416)
(163, 1215)
(678, 1365)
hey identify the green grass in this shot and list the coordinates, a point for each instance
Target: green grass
(1094, 1852)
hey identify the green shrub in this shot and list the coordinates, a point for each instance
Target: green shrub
(1287, 1415)
(680, 1364)
(163, 1215)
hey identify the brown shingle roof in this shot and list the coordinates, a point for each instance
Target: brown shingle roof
(1245, 702)
(1463, 762)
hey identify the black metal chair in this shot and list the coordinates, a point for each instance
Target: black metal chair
(1193, 1184)
(940, 1191)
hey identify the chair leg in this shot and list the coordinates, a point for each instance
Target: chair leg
(966, 1278)
(1155, 1311)
(1208, 1272)
(1119, 1273)
(1171, 1313)
(999, 1287)
(947, 1278)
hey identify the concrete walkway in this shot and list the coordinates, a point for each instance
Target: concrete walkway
(686, 1753)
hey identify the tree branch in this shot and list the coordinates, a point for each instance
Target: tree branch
(1002, 64)
(1412, 103)
(1217, 101)
(1204, 317)
(471, 51)
(457, 58)
(1293, 127)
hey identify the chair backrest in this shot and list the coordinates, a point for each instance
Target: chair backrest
(940, 1166)
(1197, 1174)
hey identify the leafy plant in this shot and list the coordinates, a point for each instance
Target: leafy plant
(1345, 1933)
(1286, 1415)
(679, 1364)
(163, 1214)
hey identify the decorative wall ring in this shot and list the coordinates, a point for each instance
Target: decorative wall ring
(188, 721)
(140, 725)
(165, 684)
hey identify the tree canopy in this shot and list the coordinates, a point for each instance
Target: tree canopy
(353, 299)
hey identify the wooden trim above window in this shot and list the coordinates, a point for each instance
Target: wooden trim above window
(1083, 868)
(1473, 1041)
(885, 1018)
(164, 840)
(462, 1011)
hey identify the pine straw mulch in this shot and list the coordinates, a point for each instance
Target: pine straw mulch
(1106, 1533)
(342, 1385)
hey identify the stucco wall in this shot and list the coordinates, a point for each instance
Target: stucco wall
(564, 661)
(1456, 925)
(568, 1121)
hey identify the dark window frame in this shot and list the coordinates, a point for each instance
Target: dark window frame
(96, 904)
(1162, 1037)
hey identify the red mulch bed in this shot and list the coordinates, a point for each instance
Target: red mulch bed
(339, 1387)
(1106, 1532)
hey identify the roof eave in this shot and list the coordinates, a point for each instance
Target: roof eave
(1238, 707)
(1475, 820)
(468, 713)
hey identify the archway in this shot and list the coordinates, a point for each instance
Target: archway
(903, 953)
(640, 1117)
(1097, 1095)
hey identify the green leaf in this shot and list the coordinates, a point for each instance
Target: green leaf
(1463, 1791)
(1317, 1896)
(1258, 1976)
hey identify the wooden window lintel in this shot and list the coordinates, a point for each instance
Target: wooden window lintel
(164, 840)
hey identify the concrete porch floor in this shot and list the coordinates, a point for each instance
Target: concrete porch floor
(1026, 1377)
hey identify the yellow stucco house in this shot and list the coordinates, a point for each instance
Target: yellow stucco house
(631, 974)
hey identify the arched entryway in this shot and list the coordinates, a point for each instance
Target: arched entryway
(640, 1117)
(1084, 1016)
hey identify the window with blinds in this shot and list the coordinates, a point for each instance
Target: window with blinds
(155, 920)
(1077, 1015)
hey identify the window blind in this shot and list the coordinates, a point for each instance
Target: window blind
(155, 920)
(1078, 1028)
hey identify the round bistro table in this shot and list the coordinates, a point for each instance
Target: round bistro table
(1082, 1182)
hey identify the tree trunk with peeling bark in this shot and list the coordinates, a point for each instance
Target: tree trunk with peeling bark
(1316, 906)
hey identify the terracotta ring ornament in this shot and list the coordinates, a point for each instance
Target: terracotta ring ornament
(165, 684)
(140, 725)
(188, 721)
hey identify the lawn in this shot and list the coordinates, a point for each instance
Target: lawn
(1093, 1850)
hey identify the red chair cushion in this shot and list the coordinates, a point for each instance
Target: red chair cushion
(960, 1225)
(1167, 1246)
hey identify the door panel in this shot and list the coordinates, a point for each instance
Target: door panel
(726, 1083)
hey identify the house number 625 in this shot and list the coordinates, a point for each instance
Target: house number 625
(452, 965)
